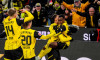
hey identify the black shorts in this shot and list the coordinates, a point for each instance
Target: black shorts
(54, 53)
(61, 45)
(31, 58)
(14, 54)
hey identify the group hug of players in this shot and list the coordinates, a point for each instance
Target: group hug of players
(20, 43)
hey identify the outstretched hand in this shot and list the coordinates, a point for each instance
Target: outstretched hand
(23, 10)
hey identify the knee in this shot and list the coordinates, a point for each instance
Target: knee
(53, 45)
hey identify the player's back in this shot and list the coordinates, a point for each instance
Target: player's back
(28, 42)
(12, 30)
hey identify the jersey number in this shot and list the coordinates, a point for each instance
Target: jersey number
(9, 29)
(27, 39)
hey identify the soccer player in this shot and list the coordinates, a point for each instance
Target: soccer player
(12, 27)
(61, 41)
(28, 40)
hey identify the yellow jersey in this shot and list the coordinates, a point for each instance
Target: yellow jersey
(28, 43)
(56, 38)
(12, 28)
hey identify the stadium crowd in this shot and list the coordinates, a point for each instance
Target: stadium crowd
(77, 12)
(63, 16)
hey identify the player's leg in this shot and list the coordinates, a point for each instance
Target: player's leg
(44, 51)
(54, 54)
(61, 45)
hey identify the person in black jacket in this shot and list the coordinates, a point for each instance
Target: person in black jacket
(95, 34)
(91, 17)
(61, 10)
(1, 14)
(40, 15)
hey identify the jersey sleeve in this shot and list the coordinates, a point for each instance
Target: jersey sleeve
(37, 34)
(51, 29)
(23, 20)
(30, 16)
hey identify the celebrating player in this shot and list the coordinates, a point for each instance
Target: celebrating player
(12, 27)
(28, 40)
(61, 41)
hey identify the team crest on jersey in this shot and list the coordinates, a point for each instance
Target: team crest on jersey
(39, 34)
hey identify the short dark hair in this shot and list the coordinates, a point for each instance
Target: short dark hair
(62, 16)
(53, 17)
(26, 23)
(11, 11)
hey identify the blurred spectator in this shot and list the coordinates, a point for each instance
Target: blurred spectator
(95, 34)
(17, 4)
(1, 1)
(83, 1)
(77, 19)
(1, 14)
(5, 13)
(61, 10)
(52, 9)
(67, 1)
(40, 15)
(23, 15)
(93, 4)
(56, 6)
(55, 18)
(91, 17)
(20, 4)
(42, 2)
(7, 4)
(31, 3)
(25, 2)
(68, 16)
(97, 4)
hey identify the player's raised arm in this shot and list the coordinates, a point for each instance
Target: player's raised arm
(38, 35)
(30, 16)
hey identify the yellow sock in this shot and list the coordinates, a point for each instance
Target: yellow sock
(44, 52)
